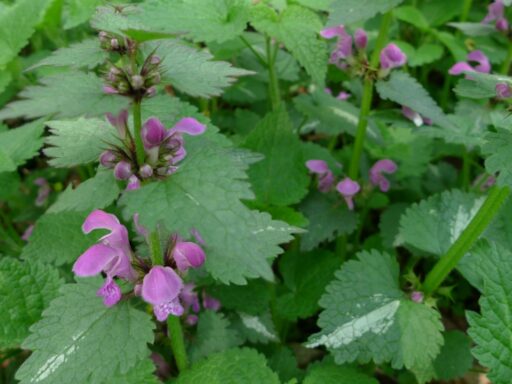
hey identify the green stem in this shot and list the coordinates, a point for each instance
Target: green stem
(366, 100)
(489, 209)
(465, 10)
(259, 57)
(155, 248)
(177, 342)
(137, 125)
(466, 169)
(505, 68)
(273, 86)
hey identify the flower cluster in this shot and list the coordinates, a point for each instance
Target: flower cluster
(164, 148)
(496, 14)
(344, 56)
(159, 285)
(347, 187)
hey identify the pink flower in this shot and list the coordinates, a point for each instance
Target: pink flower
(392, 56)
(348, 188)
(476, 56)
(417, 296)
(111, 255)
(379, 168)
(123, 170)
(360, 39)
(496, 12)
(187, 255)
(415, 117)
(161, 288)
(325, 176)
(503, 91)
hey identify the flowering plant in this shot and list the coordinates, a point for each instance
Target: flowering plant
(237, 191)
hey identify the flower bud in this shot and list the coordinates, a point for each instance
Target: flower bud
(137, 82)
(133, 183)
(392, 57)
(146, 171)
(109, 90)
(417, 296)
(155, 60)
(108, 159)
(151, 91)
(102, 35)
(187, 254)
(503, 91)
(153, 133)
(123, 170)
(114, 43)
(360, 39)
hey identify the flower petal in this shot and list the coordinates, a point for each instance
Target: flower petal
(484, 65)
(188, 254)
(110, 292)
(161, 285)
(163, 310)
(100, 219)
(317, 166)
(329, 33)
(190, 126)
(95, 260)
(460, 67)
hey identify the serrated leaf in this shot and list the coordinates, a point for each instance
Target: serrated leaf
(480, 85)
(95, 193)
(389, 224)
(455, 358)
(351, 11)
(141, 373)
(498, 155)
(21, 143)
(26, 289)
(58, 238)
(330, 373)
(433, 224)
(81, 340)
(491, 330)
(500, 229)
(17, 24)
(465, 130)
(213, 335)
(85, 54)
(297, 28)
(257, 329)
(65, 94)
(305, 277)
(205, 194)
(192, 71)
(406, 90)
(81, 141)
(281, 177)
(328, 217)
(230, 367)
(202, 20)
(284, 363)
(367, 317)
(252, 298)
(76, 12)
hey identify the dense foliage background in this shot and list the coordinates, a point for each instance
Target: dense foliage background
(274, 191)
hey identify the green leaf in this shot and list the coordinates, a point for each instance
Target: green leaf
(405, 90)
(95, 193)
(367, 317)
(281, 178)
(411, 15)
(328, 218)
(65, 94)
(389, 224)
(76, 12)
(230, 367)
(75, 142)
(491, 330)
(284, 363)
(26, 289)
(192, 71)
(305, 278)
(21, 143)
(85, 54)
(351, 11)
(203, 20)
(455, 358)
(213, 335)
(329, 373)
(257, 329)
(141, 373)
(252, 298)
(206, 193)
(58, 238)
(425, 54)
(465, 130)
(474, 29)
(498, 154)
(17, 24)
(480, 86)
(321, 5)
(500, 229)
(80, 340)
(433, 224)
(297, 28)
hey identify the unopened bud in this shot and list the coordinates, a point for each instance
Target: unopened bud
(146, 171)
(137, 82)
(122, 170)
(114, 44)
(151, 91)
(102, 35)
(155, 60)
(108, 159)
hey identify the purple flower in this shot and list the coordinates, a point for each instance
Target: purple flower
(161, 288)
(112, 255)
(415, 117)
(190, 298)
(146, 171)
(43, 191)
(191, 319)
(331, 32)
(187, 255)
(341, 96)
(392, 56)
(348, 188)
(325, 176)
(133, 183)
(210, 302)
(502, 25)
(360, 39)
(108, 159)
(476, 56)
(28, 232)
(123, 170)
(120, 121)
(153, 133)
(503, 91)
(417, 296)
(109, 90)
(376, 173)
(496, 12)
